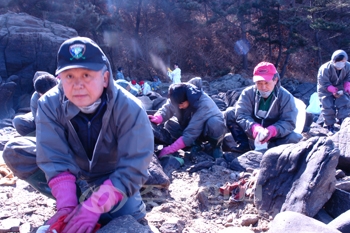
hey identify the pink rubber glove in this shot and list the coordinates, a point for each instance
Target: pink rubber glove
(86, 215)
(332, 89)
(177, 145)
(255, 129)
(272, 133)
(63, 188)
(347, 87)
(156, 118)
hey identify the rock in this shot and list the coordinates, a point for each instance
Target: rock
(229, 82)
(10, 224)
(323, 216)
(172, 225)
(248, 161)
(249, 219)
(231, 96)
(146, 102)
(202, 197)
(28, 44)
(338, 203)
(341, 140)
(25, 228)
(124, 224)
(292, 222)
(339, 174)
(297, 177)
(303, 91)
(342, 222)
(157, 176)
(343, 185)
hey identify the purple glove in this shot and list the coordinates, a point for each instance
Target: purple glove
(63, 188)
(85, 216)
(272, 133)
(347, 87)
(156, 118)
(255, 129)
(332, 89)
(177, 145)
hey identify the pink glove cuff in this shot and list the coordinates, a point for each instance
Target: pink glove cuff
(63, 188)
(272, 130)
(332, 89)
(104, 199)
(255, 129)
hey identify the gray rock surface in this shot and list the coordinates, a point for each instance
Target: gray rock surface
(297, 177)
(292, 222)
(157, 176)
(124, 224)
(229, 82)
(342, 140)
(342, 222)
(247, 162)
(28, 44)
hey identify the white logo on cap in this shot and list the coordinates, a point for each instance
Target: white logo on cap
(77, 51)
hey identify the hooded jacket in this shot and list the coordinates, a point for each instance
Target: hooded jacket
(282, 113)
(124, 145)
(193, 118)
(327, 75)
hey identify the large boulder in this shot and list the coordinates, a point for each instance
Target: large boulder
(28, 44)
(297, 177)
(342, 140)
(292, 222)
(230, 82)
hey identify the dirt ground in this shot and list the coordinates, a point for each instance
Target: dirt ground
(192, 203)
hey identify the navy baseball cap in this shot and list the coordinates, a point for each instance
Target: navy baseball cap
(80, 52)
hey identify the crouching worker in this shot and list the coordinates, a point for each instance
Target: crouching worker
(191, 117)
(84, 129)
(265, 110)
(25, 123)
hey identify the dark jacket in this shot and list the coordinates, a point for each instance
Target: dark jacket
(192, 119)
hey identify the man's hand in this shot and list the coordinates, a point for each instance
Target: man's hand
(86, 215)
(177, 145)
(256, 128)
(63, 188)
(271, 132)
(332, 89)
(347, 87)
(157, 119)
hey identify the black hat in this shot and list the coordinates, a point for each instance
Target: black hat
(80, 52)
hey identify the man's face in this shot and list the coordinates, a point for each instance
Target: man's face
(266, 85)
(184, 105)
(82, 86)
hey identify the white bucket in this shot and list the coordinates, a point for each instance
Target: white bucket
(301, 115)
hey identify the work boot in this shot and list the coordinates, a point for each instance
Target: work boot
(241, 139)
(241, 148)
(38, 182)
(216, 144)
(196, 147)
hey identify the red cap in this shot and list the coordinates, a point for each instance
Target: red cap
(141, 82)
(264, 71)
(133, 82)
